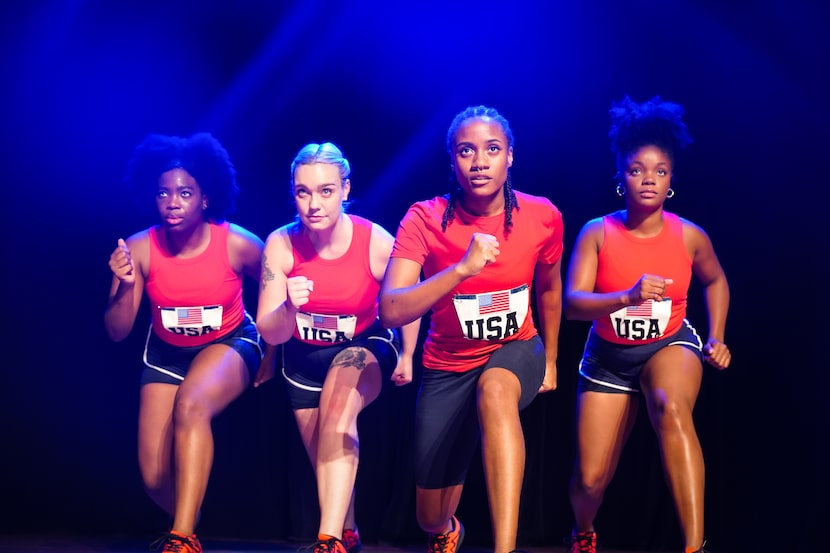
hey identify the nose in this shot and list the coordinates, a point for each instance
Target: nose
(479, 162)
(648, 178)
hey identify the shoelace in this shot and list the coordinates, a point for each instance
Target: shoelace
(439, 542)
(584, 543)
(173, 543)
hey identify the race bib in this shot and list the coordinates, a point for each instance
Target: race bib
(493, 315)
(326, 328)
(642, 322)
(192, 321)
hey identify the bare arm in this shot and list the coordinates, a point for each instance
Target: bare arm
(127, 263)
(275, 311)
(582, 303)
(403, 298)
(381, 249)
(548, 285)
(708, 270)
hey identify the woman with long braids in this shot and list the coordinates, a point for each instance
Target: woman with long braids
(483, 249)
(630, 274)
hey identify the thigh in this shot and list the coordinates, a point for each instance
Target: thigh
(672, 376)
(217, 376)
(353, 380)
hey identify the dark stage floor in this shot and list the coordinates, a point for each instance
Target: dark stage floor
(36, 544)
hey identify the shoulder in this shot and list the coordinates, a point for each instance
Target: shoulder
(692, 233)
(243, 237)
(593, 230)
(537, 204)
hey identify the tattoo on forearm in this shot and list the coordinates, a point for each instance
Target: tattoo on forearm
(355, 357)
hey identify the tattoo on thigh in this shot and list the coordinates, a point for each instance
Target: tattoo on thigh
(352, 356)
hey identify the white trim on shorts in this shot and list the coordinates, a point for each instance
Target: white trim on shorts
(181, 378)
(159, 369)
(697, 346)
(389, 340)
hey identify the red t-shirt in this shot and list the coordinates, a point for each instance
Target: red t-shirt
(493, 307)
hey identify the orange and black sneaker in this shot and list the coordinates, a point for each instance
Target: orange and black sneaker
(449, 542)
(331, 545)
(351, 539)
(583, 542)
(174, 542)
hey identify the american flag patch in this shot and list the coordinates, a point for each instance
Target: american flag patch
(492, 303)
(324, 321)
(189, 316)
(642, 310)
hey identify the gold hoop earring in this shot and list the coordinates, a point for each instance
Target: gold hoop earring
(670, 193)
(620, 190)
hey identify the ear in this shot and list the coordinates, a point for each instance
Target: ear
(510, 157)
(347, 187)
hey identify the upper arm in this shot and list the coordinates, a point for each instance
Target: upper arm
(277, 261)
(245, 251)
(705, 263)
(401, 273)
(582, 267)
(380, 248)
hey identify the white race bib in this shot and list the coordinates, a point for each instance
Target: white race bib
(326, 328)
(492, 315)
(642, 322)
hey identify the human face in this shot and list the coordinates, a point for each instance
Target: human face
(319, 194)
(180, 200)
(482, 157)
(647, 177)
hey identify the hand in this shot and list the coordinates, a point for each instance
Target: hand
(649, 287)
(403, 371)
(482, 251)
(298, 289)
(266, 366)
(717, 354)
(549, 382)
(121, 263)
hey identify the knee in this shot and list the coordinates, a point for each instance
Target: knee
(498, 390)
(190, 409)
(672, 416)
(592, 484)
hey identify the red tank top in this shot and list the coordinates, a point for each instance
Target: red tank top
(344, 302)
(196, 300)
(622, 260)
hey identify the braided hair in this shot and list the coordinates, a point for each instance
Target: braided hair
(654, 122)
(510, 201)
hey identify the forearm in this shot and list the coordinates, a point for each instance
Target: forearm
(119, 316)
(716, 295)
(550, 319)
(409, 337)
(277, 325)
(402, 306)
(588, 306)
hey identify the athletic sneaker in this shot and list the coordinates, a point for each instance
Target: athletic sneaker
(174, 542)
(583, 542)
(351, 539)
(701, 550)
(449, 542)
(332, 545)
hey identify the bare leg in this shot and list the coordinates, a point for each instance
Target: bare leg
(436, 507)
(604, 422)
(155, 443)
(503, 449)
(216, 377)
(352, 383)
(671, 382)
